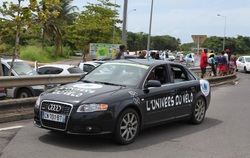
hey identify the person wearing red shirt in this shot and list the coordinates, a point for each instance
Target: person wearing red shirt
(203, 62)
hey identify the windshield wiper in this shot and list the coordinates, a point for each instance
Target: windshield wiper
(112, 84)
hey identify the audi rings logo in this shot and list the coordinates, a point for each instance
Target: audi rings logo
(54, 107)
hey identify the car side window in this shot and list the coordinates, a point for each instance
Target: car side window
(180, 74)
(159, 73)
(50, 70)
(240, 59)
(6, 71)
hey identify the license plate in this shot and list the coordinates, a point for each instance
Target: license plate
(53, 117)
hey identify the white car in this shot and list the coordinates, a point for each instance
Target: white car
(189, 58)
(243, 63)
(171, 57)
(3, 94)
(89, 65)
(60, 69)
(20, 68)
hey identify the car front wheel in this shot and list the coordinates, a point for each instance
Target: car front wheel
(24, 93)
(127, 127)
(199, 111)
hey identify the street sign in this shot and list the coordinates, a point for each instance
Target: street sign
(199, 39)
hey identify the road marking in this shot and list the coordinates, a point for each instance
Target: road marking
(9, 128)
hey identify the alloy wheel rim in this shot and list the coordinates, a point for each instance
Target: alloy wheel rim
(200, 110)
(129, 126)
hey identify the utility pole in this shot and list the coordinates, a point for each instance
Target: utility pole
(150, 24)
(124, 23)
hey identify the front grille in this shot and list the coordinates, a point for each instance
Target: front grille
(65, 109)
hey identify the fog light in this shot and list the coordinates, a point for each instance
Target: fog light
(88, 129)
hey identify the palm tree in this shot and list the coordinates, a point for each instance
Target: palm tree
(61, 15)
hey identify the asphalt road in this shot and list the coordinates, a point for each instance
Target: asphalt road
(223, 134)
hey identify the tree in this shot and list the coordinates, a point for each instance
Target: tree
(93, 25)
(22, 18)
(58, 16)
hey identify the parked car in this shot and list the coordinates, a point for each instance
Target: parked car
(243, 63)
(133, 95)
(20, 68)
(171, 57)
(189, 57)
(60, 69)
(90, 65)
(3, 94)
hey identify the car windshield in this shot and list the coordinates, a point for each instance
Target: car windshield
(247, 59)
(124, 74)
(22, 68)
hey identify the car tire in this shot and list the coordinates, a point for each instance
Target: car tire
(245, 70)
(199, 111)
(127, 127)
(24, 93)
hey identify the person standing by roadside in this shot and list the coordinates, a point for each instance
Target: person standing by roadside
(142, 54)
(227, 55)
(152, 55)
(222, 64)
(211, 62)
(232, 63)
(181, 58)
(120, 54)
(203, 62)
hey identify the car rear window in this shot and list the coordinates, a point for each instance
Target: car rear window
(73, 70)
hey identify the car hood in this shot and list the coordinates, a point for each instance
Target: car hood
(78, 92)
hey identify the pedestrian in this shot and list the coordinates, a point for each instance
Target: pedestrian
(232, 63)
(152, 55)
(120, 54)
(157, 56)
(227, 55)
(181, 58)
(212, 63)
(222, 64)
(203, 62)
(142, 54)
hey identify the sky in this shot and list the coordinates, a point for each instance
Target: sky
(184, 18)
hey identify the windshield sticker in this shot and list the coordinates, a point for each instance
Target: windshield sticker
(87, 86)
(130, 64)
(169, 101)
(205, 88)
(135, 97)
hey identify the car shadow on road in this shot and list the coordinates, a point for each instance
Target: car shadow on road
(148, 137)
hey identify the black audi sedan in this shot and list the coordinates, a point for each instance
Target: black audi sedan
(121, 97)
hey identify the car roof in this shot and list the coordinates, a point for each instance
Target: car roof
(57, 65)
(148, 62)
(10, 60)
(95, 62)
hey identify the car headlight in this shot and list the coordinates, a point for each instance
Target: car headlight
(38, 101)
(92, 107)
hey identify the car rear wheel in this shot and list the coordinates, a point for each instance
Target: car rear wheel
(127, 127)
(199, 111)
(245, 69)
(24, 93)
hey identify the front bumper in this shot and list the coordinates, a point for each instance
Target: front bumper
(92, 123)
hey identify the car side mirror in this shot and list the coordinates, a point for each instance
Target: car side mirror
(153, 83)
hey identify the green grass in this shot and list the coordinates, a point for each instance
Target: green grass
(36, 53)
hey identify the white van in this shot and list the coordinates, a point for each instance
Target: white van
(21, 68)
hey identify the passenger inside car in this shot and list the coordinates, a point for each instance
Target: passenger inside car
(178, 75)
(151, 76)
